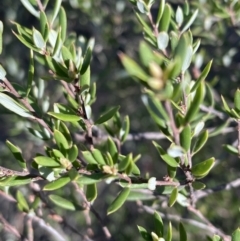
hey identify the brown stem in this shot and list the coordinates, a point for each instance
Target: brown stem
(40, 5)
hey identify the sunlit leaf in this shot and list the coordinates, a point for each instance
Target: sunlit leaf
(56, 9)
(203, 168)
(46, 161)
(13, 106)
(107, 115)
(60, 182)
(118, 201)
(91, 192)
(22, 201)
(173, 197)
(62, 202)
(65, 117)
(27, 4)
(17, 153)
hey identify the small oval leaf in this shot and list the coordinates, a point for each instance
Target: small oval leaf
(62, 202)
(173, 197)
(46, 161)
(91, 193)
(65, 117)
(60, 182)
(202, 169)
(119, 201)
(107, 115)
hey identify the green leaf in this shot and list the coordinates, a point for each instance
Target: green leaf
(202, 76)
(189, 23)
(61, 141)
(91, 179)
(62, 202)
(38, 39)
(86, 61)
(1, 34)
(182, 50)
(88, 157)
(133, 68)
(162, 40)
(17, 153)
(185, 137)
(146, 54)
(172, 171)
(167, 158)
(203, 168)
(58, 46)
(138, 195)
(26, 42)
(231, 149)
(85, 78)
(169, 232)
(56, 9)
(125, 129)
(66, 54)
(107, 115)
(22, 201)
(72, 153)
(236, 235)
(124, 163)
(146, 236)
(97, 155)
(30, 8)
(198, 185)
(237, 100)
(160, 11)
(182, 233)
(2, 72)
(108, 159)
(119, 201)
(202, 139)
(15, 181)
(60, 182)
(46, 161)
(179, 16)
(175, 151)
(173, 197)
(14, 106)
(91, 192)
(158, 224)
(65, 117)
(195, 104)
(63, 23)
(188, 58)
(226, 107)
(166, 18)
(44, 27)
(30, 74)
(112, 149)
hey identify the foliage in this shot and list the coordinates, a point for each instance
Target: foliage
(82, 162)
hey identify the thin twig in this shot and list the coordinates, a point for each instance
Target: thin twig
(211, 226)
(228, 186)
(141, 136)
(96, 214)
(30, 233)
(8, 227)
(40, 5)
